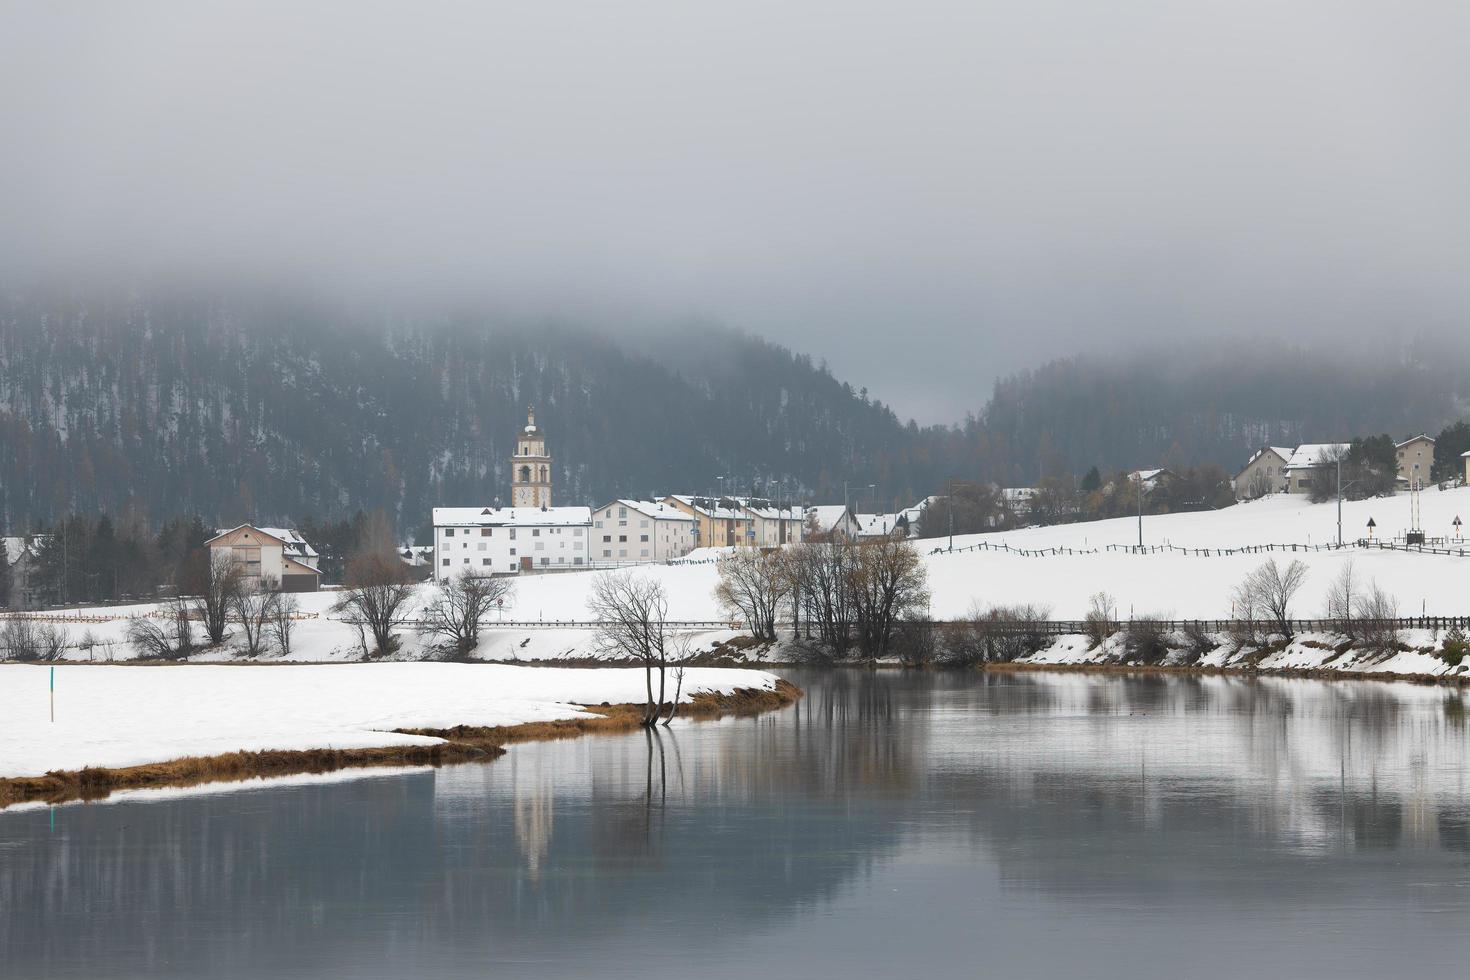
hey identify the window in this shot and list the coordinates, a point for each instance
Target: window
(576, 532)
(546, 561)
(512, 536)
(597, 524)
(643, 538)
(622, 539)
(622, 523)
(644, 553)
(540, 545)
(446, 563)
(482, 546)
(622, 512)
(561, 559)
(643, 523)
(605, 553)
(512, 551)
(576, 561)
(606, 538)
(535, 532)
(622, 552)
(484, 532)
(449, 532)
(485, 562)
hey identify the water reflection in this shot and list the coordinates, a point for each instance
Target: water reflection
(992, 804)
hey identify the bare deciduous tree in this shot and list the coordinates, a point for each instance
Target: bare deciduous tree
(1270, 590)
(27, 639)
(283, 621)
(1377, 620)
(453, 616)
(212, 581)
(887, 583)
(375, 598)
(1102, 618)
(252, 604)
(1343, 597)
(169, 639)
(754, 584)
(632, 612)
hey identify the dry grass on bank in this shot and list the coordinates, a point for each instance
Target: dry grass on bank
(462, 744)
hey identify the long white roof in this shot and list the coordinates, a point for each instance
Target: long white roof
(511, 516)
(827, 516)
(703, 505)
(655, 509)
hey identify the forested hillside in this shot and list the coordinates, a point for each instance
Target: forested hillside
(275, 411)
(272, 410)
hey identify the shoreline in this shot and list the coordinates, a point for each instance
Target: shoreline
(462, 743)
(1228, 670)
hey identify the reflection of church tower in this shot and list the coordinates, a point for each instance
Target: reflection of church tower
(530, 468)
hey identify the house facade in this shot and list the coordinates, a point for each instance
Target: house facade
(1309, 462)
(640, 530)
(772, 524)
(510, 540)
(268, 555)
(1415, 459)
(22, 554)
(1264, 474)
(718, 522)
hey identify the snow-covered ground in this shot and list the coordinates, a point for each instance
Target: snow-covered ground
(1306, 651)
(1170, 584)
(123, 716)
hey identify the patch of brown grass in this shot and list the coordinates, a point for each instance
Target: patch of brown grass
(462, 743)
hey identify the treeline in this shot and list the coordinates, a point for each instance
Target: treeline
(95, 559)
(972, 508)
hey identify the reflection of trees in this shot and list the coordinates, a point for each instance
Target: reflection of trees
(1072, 784)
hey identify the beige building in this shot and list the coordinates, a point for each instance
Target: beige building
(1310, 462)
(640, 530)
(266, 555)
(1416, 459)
(1265, 473)
(772, 524)
(718, 523)
(530, 467)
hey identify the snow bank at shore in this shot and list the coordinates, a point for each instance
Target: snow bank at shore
(126, 716)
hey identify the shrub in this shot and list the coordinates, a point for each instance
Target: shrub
(1101, 620)
(1145, 640)
(1455, 646)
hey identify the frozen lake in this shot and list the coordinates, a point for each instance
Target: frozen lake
(891, 825)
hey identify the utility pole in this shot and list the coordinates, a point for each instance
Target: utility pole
(1140, 511)
(949, 506)
(1339, 500)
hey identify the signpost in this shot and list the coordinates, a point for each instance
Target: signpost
(1371, 526)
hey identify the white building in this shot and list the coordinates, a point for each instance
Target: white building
(1306, 460)
(266, 555)
(832, 521)
(640, 530)
(505, 540)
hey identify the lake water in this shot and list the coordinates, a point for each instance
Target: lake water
(891, 825)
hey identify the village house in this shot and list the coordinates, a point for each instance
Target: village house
(509, 540)
(1302, 469)
(275, 555)
(1264, 473)
(22, 554)
(873, 527)
(640, 530)
(832, 522)
(1415, 460)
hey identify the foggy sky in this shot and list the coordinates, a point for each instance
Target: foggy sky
(925, 193)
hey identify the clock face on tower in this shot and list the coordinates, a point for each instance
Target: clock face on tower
(530, 467)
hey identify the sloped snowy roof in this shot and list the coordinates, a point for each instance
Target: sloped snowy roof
(293, 544)
(827, 516)
(708, 507)
(12, 548)
(1309, 455)
(769, 510)
(655, 509)
(1421, 436)
(877, 525)
(511, 516)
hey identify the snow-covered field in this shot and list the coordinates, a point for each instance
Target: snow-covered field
(123, 716)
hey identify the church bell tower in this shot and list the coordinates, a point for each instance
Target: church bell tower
(530, 467)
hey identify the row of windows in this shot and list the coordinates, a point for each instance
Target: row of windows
(623, 538)
(485, 562)
(623, 553)
(487, 532)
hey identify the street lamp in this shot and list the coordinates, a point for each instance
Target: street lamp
(846, 509)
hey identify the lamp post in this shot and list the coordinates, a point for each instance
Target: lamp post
(949, 506)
